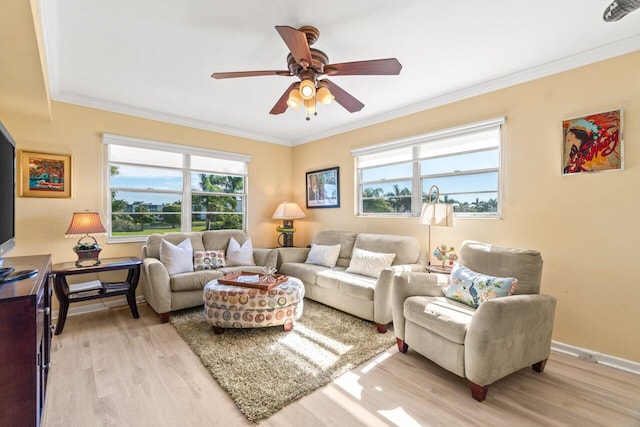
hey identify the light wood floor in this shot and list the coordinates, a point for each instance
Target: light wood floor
(112, 370)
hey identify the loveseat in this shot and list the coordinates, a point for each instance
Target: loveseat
(361, 289)
(167, 292)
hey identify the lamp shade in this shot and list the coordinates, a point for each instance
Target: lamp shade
(440, 214)
(288, 210)
(295, 100)
(307, 89)
(85, 223)
(324, 96)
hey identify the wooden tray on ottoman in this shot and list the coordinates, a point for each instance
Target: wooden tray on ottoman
(232, 279)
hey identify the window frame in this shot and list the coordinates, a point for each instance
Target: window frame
(186, 192)
(415, 143)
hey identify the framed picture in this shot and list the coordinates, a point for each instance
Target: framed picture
(323, 188)
(44, 175)
(592, 143)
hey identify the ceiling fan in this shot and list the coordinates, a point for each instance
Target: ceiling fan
(311, 66)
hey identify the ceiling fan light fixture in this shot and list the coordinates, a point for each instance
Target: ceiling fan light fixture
(324, 96)
(307, 89)
(295, 100)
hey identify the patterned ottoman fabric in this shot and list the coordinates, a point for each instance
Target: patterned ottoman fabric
(227, 306)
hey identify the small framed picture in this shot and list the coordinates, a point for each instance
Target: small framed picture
(592, 143)
(44, 175)
(323, 188)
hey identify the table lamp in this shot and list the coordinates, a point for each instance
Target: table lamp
(287, 212)
(83, 223)
(435, 213)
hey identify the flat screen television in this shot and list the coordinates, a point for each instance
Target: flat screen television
(7, 192)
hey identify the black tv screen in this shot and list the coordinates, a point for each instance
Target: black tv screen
(7, 191)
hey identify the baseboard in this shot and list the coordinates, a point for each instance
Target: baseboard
(102, 305)
(596, 357)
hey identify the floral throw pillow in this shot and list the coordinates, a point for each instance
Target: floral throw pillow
(471, 288)
(208, 260)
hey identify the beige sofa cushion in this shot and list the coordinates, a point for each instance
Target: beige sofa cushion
(305, 272)
(406, 248)
(449, 319)
(353, 285)
(194, 280)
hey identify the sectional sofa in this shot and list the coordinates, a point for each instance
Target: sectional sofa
(358, 280)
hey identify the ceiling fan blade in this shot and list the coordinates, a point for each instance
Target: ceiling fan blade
(343, 98)
(235, 74)
(389, 66)
(297, 43)
(281, 105)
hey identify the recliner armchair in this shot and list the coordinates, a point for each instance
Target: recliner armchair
(484, 344)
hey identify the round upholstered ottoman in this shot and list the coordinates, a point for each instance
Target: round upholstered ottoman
(227, 306)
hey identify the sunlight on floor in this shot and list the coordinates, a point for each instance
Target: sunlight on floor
(369, 366)
(349, 383)
(399, 417)
(337, 346)
(316, 349)
(356, 410)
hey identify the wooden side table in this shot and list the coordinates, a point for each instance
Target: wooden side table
(439, 269)
(106, 289)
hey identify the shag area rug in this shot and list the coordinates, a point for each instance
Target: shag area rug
(265, 369)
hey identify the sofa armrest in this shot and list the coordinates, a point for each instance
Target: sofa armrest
(156, 285)
(265, 257)
(507, 334)
(409, 284)
(382, 294)
(292, 255)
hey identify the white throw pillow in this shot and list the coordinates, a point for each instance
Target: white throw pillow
(240, 255)
(177, 259)
(369, 263)
(324, 255)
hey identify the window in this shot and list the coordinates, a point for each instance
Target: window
(464, 163)
(155, 187)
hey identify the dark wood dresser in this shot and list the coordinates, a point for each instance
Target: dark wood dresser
(25, 342)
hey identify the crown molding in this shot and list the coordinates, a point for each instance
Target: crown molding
(591, 56)
(144, 113)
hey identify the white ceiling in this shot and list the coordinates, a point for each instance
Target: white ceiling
(154, 58)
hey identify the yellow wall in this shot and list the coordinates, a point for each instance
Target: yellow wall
(585, 226)
(42, 222)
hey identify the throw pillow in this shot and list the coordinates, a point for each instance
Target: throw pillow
(208, 260)
(240, 255)
(471, 288)
(324, 255)
(369, 263)
(177, 258)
